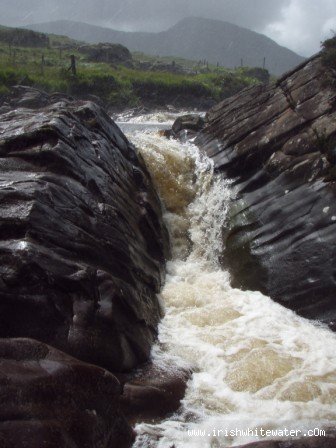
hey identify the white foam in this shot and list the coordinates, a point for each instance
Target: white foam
(256, 364)
(160, 117)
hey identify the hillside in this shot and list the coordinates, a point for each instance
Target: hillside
(192, 38)
(23, 38)
(110, 72)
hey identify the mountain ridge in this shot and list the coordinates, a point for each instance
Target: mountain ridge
(192, 38)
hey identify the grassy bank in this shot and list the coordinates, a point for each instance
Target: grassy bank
(118, 86)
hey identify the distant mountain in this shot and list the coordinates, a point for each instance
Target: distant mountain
(191, 38)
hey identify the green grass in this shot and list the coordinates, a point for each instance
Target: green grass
(118, 86)
(329, 62)
(329, 53)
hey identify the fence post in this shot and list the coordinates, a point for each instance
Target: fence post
(42, 65)
(72, 67)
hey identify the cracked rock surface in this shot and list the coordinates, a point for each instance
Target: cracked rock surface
(50, 399)
(82, 246)
(277, 143)
(82, 258)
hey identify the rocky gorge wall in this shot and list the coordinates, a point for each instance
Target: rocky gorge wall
(82, 256)
(277, 144)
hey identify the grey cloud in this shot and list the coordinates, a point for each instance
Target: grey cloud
(160, 14)
(303, 24)
(146, 14)
(297, 24)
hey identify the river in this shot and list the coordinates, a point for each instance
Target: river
(256, 365)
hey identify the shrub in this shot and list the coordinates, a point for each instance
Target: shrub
(23, 38)
(84, 84)
(329, 61)
(231, 84)
(10, 77)
(329, 53)
(258, 73)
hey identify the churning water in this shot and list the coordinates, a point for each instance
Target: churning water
(256, 365)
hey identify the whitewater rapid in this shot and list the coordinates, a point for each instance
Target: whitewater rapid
(255, 364)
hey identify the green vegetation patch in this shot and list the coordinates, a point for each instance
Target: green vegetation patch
(23, 38)
(329, 62)
(329, 53)
(118, 85)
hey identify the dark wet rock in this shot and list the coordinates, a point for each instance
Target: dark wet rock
(332, 325)
(83, 246)
(33, 98)
(49, 399)
(192, 122)
(4, 108)
(30, 97)
(82, 256)
(153, 392)
(168, 133)
(328, 441)
(278, 143)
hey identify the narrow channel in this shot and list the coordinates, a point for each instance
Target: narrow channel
(255, 364)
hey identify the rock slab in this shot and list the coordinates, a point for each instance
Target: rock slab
(82, 257)
(49, 399)
(83, 245)
(277, 143)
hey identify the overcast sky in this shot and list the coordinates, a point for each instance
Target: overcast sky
(297, 24)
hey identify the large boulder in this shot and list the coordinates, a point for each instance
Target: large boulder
(29, 97)
(277, 142)
(83, 245)
(106, 52)
(185, 127)
(153, 391)
(189, 122)
(49, 399)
